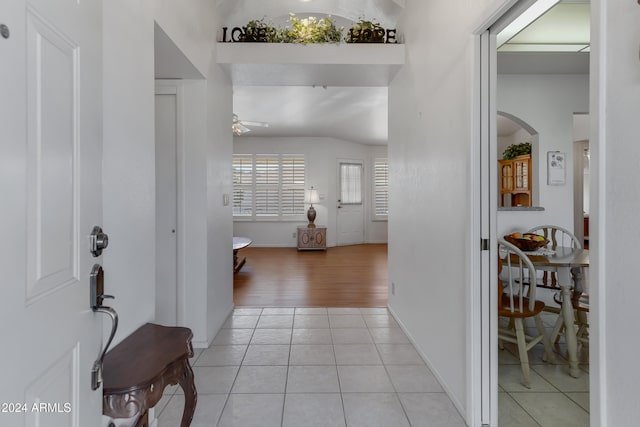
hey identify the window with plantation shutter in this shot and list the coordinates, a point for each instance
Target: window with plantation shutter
(381, 188)
(242, 171)
(268, 186)
(292, 190)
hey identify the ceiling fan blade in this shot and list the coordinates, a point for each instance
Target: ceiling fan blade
(256, 124)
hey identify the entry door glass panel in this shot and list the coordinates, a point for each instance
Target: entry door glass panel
(350, 215)
(351, 183)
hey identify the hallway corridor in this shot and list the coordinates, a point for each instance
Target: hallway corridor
(300, 367)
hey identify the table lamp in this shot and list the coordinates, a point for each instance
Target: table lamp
(311, 196)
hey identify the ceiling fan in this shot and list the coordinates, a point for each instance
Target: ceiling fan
(240, 127)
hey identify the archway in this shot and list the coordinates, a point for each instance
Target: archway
(514, 130)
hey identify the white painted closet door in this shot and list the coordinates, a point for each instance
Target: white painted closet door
(166, 206)
(50, 189)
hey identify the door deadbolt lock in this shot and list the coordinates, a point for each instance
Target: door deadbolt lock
(97, 241)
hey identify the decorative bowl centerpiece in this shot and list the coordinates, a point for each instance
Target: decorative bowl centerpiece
(527, 242)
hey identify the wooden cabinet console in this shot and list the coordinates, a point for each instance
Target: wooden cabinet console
(312, 239)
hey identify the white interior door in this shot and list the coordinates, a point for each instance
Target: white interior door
(50, 187)
(166, 206)
(350, 216)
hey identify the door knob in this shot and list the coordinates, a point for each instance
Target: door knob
(98, 241)
(96, 289)
(96, 295)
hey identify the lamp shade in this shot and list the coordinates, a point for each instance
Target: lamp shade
(311, 196)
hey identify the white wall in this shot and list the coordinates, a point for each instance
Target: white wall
(321, 157)
(192, 205)
(207, 165)
(192, 26)
(547, 103)
(129, 164)
(429, 157)
(581, 127)
(615, 202)
(129, 161)
(219, 149)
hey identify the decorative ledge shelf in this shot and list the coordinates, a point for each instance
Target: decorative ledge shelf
(521, 209)
(265, 64)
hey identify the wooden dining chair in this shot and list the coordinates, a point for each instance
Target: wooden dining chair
(515, 306)
(557, 237)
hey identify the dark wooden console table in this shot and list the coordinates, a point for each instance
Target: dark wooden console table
(136, 371)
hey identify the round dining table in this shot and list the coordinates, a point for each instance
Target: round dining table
(239, 243)
(574, 260)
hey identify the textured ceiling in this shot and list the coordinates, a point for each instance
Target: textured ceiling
(356, 114)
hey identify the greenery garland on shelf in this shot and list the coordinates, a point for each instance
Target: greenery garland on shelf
(300, 31)
(312, 30)
(257, 30)
(365, 31)
(515, 150)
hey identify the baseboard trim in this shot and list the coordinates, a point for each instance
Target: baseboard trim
(461, 410)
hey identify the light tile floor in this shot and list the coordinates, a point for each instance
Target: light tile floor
(355, 367)
(313, 367)
(555, 399)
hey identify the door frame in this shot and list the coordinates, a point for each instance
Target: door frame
(578, 188)
(482, 359)
(172, 87)
(504, 11)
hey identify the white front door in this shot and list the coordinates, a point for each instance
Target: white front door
(350, 216)
(50, 187)
(166, 206)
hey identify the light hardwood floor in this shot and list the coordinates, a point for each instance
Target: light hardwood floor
(345, 276)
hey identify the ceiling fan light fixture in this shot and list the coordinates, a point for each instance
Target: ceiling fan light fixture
(238, 129)
(238, 126)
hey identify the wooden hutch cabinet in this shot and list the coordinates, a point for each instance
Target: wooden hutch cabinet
(515, 180)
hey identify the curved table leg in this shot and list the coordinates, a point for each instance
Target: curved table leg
(190, 394)
(569, 320)
(570, 332)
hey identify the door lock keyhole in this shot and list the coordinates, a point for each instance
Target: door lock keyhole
(98, 241)
(4, 31)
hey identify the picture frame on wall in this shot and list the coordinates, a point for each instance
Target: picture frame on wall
(556, 168)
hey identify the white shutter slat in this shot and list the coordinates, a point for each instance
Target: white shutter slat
(381, 188)
(292, 192)
(242, 175)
